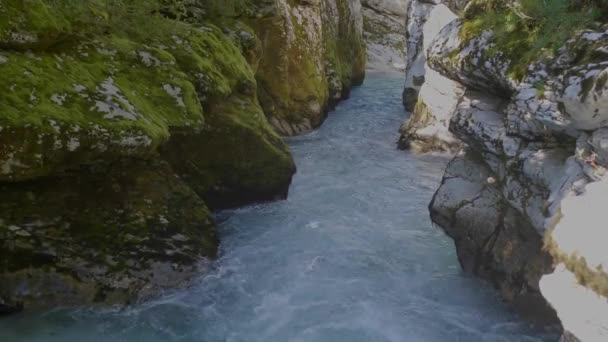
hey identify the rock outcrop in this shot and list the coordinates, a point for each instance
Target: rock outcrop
(430, 97)
(384, 31)
(312, 53)
(123, 125)
(524, 201)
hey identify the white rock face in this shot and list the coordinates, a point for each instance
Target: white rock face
(586, 240)
(578, 242)
(582, 311)
(431, 97)
(384, 31)
(536, 158)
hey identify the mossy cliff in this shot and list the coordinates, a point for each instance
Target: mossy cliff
(121, 124)
(524, 202)
(311, 54)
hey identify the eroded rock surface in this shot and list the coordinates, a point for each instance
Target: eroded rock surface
(493, 240)
(523, 204)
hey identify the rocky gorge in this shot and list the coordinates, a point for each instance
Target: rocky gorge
(122, 126)
(126, 127)
(526, 98)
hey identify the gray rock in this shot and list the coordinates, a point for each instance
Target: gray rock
(493, 240)
(384, 32)
(535, 170)
(430, 97)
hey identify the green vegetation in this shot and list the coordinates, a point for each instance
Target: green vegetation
(540, 89)
(97, 87)
(53, 21)
(528, 30)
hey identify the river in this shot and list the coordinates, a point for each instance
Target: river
(350, 256)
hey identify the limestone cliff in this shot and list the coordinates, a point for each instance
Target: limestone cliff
(122, 123)
(385, 31)
(523, 201)
(430, 97)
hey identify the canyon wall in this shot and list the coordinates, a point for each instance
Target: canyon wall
(523, 200)
(123, 125)
(385, 33)
(430, 97)
(313, 54)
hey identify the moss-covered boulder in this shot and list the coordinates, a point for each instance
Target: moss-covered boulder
(235, 156)
(97, 100)
(122, 122)
(113, 233)
(119, 123)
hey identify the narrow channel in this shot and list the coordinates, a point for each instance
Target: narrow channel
(350, 256)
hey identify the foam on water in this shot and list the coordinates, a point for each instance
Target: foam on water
(350, 256)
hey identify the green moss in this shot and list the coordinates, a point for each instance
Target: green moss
(99, 227)
(159, 85)
(289, 76)
(526, 30)
(44, 23)
(298, 77)
(99, 96)
(236, 159)
(594, 279)
(214, 62)
(345, 48)
(540, 89)
(84, 114)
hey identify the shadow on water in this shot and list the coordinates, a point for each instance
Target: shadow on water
(350, 256)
